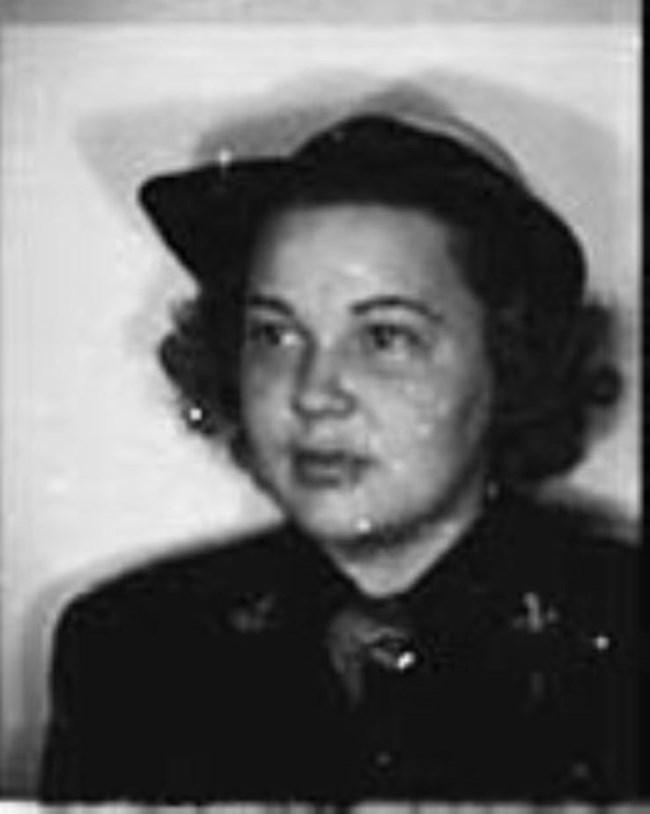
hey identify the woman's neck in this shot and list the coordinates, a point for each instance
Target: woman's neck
(387, 564)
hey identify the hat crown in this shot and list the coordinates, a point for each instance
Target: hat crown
(380, 141)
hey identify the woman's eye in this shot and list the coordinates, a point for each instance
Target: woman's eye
(268, 335)
(392, 339)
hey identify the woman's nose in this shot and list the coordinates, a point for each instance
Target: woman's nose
(321, 387)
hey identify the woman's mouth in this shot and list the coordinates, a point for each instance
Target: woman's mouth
(328, 469)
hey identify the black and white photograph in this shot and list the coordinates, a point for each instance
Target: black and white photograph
(320, 407)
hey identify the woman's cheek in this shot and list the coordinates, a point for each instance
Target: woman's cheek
(266, 399)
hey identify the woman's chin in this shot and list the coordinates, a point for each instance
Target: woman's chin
(334, 527)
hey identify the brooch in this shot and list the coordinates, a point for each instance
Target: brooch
(259, 614)
(535, 616)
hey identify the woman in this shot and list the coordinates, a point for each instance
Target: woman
(391, 330)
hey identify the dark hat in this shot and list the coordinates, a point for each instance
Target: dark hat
(211, 214)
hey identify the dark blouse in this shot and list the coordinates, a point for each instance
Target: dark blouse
(257, 672)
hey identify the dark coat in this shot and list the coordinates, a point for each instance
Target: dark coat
(208, 677)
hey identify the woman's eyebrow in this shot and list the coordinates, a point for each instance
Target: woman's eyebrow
(396, 301)
(269, 303)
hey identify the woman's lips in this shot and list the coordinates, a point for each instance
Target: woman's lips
(328, 469)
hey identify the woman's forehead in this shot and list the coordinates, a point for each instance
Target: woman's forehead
(356, 250)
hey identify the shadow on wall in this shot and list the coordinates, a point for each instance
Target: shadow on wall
(123, 148)
(573, 162)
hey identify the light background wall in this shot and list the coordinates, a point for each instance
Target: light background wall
(97, 473)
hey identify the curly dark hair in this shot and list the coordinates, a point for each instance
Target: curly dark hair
(554, 371)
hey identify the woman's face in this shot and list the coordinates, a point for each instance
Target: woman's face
(366, 389)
